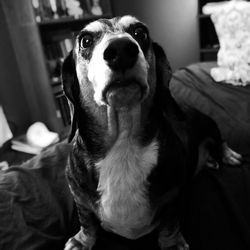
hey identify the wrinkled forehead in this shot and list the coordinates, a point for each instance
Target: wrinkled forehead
(117, 24)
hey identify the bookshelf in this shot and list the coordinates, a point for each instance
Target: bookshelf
(58, 21)
(209, 44)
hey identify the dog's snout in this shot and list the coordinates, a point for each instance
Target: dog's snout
(121, 54)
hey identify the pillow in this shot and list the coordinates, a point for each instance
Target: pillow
(232, 24)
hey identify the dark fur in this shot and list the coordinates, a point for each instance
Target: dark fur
(179, 133)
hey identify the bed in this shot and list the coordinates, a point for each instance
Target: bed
(217, 215)
(38, 212)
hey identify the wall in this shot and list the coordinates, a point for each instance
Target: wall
(25, 91)
(11, 92)
(173, 24)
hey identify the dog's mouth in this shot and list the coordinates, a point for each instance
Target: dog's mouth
(124, 94)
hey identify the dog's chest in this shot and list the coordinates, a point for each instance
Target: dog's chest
(124, 204)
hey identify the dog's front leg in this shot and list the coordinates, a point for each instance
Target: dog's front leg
(172, 239)
(86, 237)
(81, 241)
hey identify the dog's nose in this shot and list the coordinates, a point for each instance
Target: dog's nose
(121, 54)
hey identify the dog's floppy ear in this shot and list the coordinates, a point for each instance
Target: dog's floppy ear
(163, 69)
(164, 74)
(71, 89)
(69, 78)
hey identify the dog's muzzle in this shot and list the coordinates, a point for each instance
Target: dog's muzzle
(124, 91)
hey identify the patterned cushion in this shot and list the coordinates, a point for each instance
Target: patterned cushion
(232, 25)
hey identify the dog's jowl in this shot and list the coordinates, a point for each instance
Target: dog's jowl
(134, 149)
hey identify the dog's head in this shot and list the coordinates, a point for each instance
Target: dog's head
(114, 65)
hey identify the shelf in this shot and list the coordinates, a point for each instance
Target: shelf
(209, 43)
(203, 16)
(209, 50)
(68, 21)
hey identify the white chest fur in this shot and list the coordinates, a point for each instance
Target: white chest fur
(124, 206)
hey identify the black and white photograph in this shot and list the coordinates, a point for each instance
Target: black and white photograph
(125, 125)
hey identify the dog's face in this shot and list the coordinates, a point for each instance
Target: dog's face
(113, 67)
(113, 57)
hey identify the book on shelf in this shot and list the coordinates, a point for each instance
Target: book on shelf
(55, 53)
(21, 143)
(35, 139)
(45, 10)
(49, 9)
(66, 46)
(64, 109)
(58, 49)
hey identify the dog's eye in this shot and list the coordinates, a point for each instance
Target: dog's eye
(86, 41)
(140, 33)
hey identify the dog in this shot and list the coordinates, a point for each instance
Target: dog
(134, 148)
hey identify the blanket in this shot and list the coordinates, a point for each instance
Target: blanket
(217, 213)
(36, 208)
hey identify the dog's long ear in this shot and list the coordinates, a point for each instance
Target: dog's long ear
(69, 78)
(163, 69)
(164, 74)
(71, 89)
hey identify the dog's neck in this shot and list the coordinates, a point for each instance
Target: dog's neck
(100, 127)
(124, 123)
